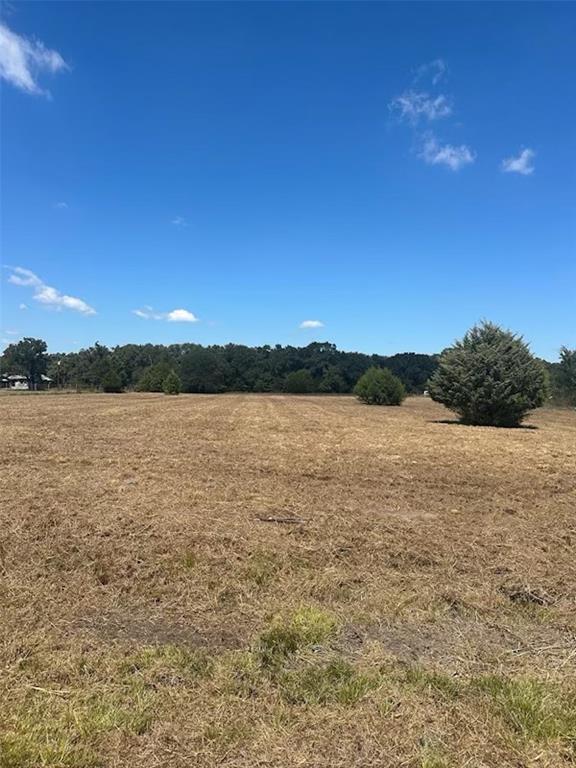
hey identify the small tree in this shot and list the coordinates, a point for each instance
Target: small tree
(172, 384)
(299, 382)
(153, 377)
(565, 379)
(489, 378)
(111, 381)
(379, 386)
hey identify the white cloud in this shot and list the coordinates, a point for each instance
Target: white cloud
(454, 158)
(412, 106)
(311, 324)
(175, 316)
(12, 333)
(47, 295)
(61, 205)
(523, 164)
(181, 316)
(23, 306)
(179, 221)
(22, 59)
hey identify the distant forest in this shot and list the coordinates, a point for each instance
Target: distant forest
(318, 367)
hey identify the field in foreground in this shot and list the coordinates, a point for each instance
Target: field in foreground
(419, 609)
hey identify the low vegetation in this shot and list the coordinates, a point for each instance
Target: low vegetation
(378, 386)
(284, 581)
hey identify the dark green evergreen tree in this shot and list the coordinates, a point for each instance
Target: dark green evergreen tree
(565, 377)
(172, 384)
(153, 377)
(489, 378)
(111, 381)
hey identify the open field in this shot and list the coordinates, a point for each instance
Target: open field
(419, 609)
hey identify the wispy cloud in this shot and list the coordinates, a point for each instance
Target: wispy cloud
(62, 206)
(418, 103)
(23, 306)
(47, 295)
(422, 104)
(175, 316)
(434, 71)
(311, 324)
(179, 221)
(523, 163)
(147, 313)
(413, 106)
(454, 158)
(23, 59)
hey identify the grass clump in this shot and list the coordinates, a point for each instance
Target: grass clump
(49, 730)
(433, 759)
(163, 662)
(535, 710)
(240, 675)
(434, 682)
(287, 635)
(189, 560)
(285, 656)
(261, 568)
(335, 682)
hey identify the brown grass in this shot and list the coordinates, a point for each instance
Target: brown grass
(421, 614)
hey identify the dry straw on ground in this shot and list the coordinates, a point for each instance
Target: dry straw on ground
(284, 581)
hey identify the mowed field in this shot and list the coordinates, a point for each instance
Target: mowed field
(245, 580)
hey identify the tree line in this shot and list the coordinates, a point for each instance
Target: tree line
(318, 367)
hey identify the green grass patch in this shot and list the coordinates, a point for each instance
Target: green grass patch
(433, 759)
(168, 664)
(535, 710)
(56, 730)
(436, 683)
(289, 634)
(336, 681)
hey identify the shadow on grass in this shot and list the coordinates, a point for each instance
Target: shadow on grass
(482, 426)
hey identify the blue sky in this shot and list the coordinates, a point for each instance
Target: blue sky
(393, 172)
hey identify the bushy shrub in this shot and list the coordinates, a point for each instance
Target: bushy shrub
(153, 377)
(332, 381)
(299, 382)
(111, 381)
(379, 386)
(172, 384)
(489, 378)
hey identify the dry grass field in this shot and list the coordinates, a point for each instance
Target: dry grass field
(281, 581)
